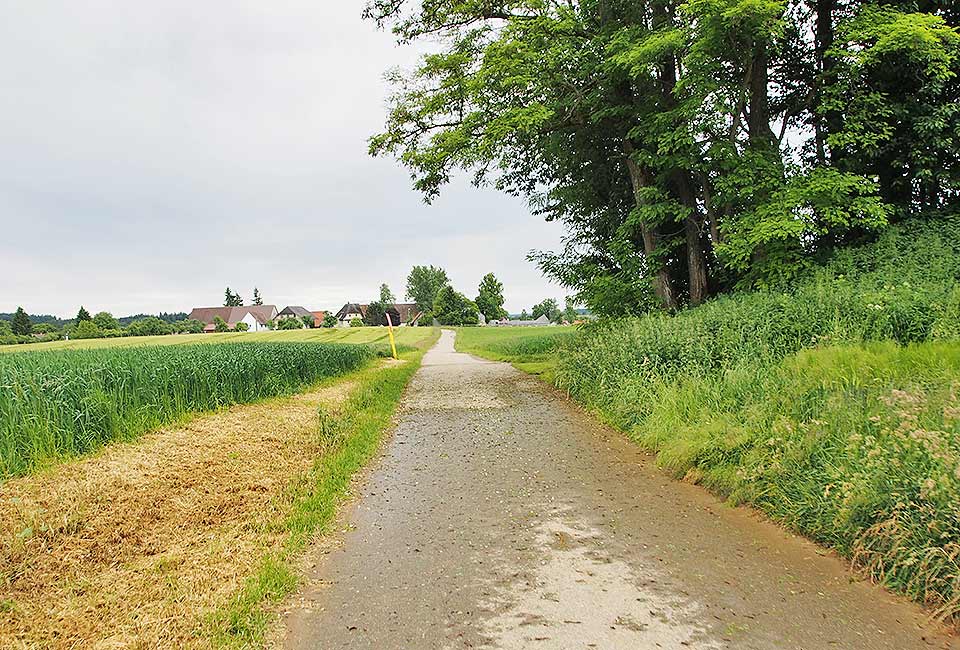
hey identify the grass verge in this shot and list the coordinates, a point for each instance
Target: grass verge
(531, 349)
(353, 432)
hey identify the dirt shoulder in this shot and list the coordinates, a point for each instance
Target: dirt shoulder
(132, 546)
(502, 516)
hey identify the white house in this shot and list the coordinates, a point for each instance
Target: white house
(348, 312)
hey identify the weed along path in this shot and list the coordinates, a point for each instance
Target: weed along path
(500, 516)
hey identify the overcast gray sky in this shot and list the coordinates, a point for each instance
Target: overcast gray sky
(153, 153)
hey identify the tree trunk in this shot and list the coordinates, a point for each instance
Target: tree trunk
(758, 123)
(696, 255)
(696, 262)
(663, 286)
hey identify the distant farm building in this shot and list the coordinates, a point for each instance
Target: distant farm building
(541, 321)
(294, 312)
(400, 313)
(318, 317)
(255, 316)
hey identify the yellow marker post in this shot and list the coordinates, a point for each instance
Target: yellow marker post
(393, 344)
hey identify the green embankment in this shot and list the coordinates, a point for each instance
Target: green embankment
(532, 349)
(60, 404)
(353, 434)
(832, 406)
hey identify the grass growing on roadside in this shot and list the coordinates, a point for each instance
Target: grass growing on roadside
(857, 447)
(62, 404)
(532, 349)
(353, 433)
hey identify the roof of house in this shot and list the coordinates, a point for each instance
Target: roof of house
(351, 308)
(233, 315)
(408, 312)
(295, 310)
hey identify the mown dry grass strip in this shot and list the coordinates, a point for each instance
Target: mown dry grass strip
(355, 429)
(148, 544)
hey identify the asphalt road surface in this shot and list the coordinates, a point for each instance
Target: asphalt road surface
(501, 516)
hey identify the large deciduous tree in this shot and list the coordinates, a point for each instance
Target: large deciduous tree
(490, 298)
(453, 308)
(423, 285)
(106, 321)
(686, 147)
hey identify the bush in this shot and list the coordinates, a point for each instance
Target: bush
(188, 326)
(151, 326)
(44, 328)
(241, 327)
(220, 325)
(329, 320)
(947, 323)
(86, 329)
(290, 324)
(356, 322)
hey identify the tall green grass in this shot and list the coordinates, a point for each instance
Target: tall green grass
(59, 404)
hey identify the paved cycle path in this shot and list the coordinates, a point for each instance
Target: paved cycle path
(501, 516)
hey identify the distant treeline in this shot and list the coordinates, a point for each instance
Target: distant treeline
(124, 321)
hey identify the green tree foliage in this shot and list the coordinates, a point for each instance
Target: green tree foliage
(290, 324)
(231, 299)
(570, 311)
(686, 147)
(87, 329)
(423, 285)
(490, 298)
(356, 322)
(106, 321)
(188, 326)
(220, 325)
(150, 326)
(82, 315)
(20, 325)
(329, 320)
(307, 321)
(524, 315)
(386, 296)
(549, 308)
(241, 327)
(43, 328)
(454, 308)
(376, 314)
(257, 300)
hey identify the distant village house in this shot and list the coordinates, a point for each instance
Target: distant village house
(255, 316)
(401, 314)
(294, 312)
